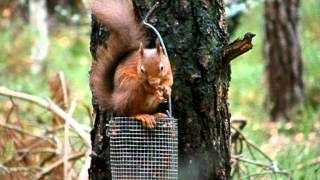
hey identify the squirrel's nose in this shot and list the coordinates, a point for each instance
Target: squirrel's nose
(154, 81)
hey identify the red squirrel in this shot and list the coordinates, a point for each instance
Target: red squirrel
(127, 78)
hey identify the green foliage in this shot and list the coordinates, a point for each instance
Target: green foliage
(291, 144)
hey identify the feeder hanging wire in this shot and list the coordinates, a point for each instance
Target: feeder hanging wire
(162, 44)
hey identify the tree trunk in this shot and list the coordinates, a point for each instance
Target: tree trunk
(194, 33)
(284, 66)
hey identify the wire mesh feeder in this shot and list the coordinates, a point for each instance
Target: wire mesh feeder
(137, 153)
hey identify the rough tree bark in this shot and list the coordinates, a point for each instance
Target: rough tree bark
(195, 36)
(284, 65)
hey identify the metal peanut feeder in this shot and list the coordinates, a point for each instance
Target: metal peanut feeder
(137, 153)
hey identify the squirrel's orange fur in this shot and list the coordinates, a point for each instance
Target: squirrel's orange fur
(127, 78)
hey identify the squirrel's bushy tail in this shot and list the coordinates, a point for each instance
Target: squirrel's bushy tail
(123, 21)
(127, 33)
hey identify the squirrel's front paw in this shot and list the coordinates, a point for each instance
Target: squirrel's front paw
(147, 120)
(160, 115)
(160, 97)
(166, 91)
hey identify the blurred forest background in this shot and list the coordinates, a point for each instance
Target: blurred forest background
(45, 53)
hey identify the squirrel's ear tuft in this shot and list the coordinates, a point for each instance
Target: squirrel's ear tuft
(141, 49)
(159, 49)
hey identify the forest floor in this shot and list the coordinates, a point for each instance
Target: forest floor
(294, 146)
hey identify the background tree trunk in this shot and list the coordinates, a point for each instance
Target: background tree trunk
(73, 5)
(284, 66)
(194, 33)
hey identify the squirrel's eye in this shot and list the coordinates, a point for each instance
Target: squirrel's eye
(161, 67)
(142, 69)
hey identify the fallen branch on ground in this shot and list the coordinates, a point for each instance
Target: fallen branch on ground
(20, 130)
(17, 169)
(269, 167)
(58, 163)
(48, 104)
